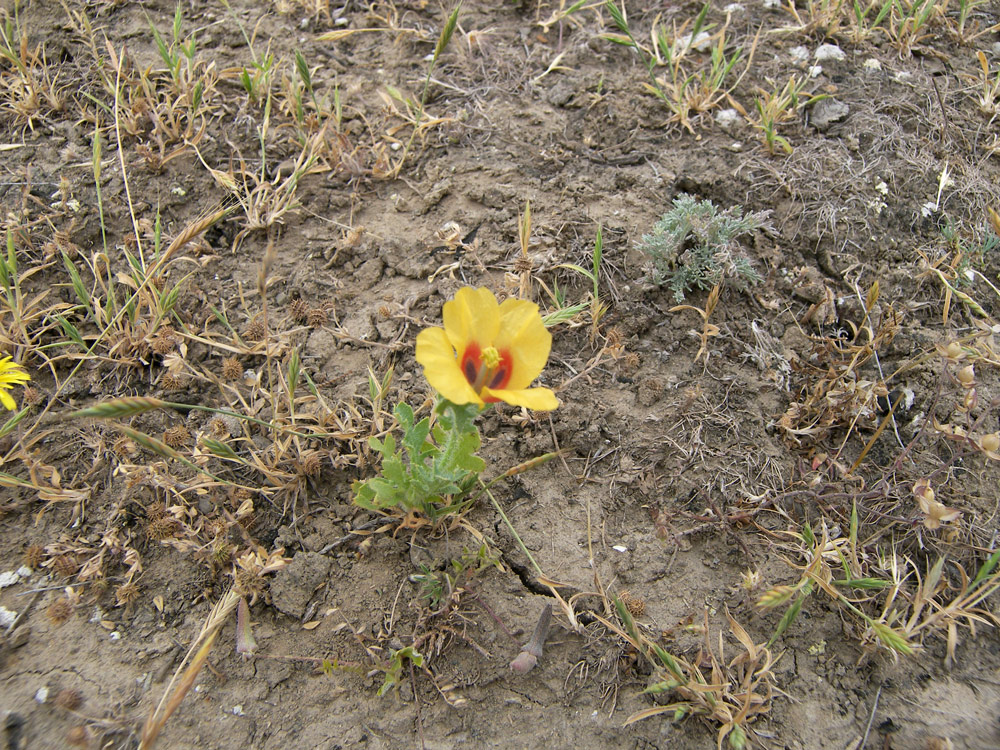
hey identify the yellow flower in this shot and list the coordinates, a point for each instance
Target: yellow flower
(10, 373)
(487, 352)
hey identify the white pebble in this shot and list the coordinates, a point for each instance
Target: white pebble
(799, 53)
(871, 64)
(829, 52)
(9, 578)
(24, 571)
(42, 695)
(7, 617)
(727, 118)
(815, 71)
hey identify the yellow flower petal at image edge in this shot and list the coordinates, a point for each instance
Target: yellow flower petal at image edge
(487, 351)
(10, 375)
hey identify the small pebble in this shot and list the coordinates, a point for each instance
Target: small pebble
(829, 52)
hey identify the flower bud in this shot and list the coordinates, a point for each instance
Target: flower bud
(953, 350)
(967, 376)
(990, 442)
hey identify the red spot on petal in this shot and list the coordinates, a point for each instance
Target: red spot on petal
(470, 362)
(501, 376)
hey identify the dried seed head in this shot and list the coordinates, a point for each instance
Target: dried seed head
(69, 699)
(31, 396)
(249, 583)
(523, 264)
(177, 436)
(317, 317)
(967, 376)
(614, 336)
(222, 553)
(634, 604)
(218, 427)
(172, 382)
(299, 311)
(310, 461)
(34, 556)
(125, 447)
(630, 362)
(127, 594)
(78, 736)
(65, 565)
(163, 528)
(164, 341)
(232, 369)
(59, 611)
(255, 330)
(384, 312)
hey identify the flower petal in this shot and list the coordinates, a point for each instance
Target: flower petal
(523, 334)
(437, 356)
(7, 401)
(473, 315)
(537, 399)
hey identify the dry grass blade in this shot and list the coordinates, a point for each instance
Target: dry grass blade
(173, 696)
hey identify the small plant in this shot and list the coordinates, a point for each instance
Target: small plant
(776, 107)
(695, 245)
(486, 352)
(690, 86)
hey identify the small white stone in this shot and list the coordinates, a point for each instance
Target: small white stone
(238, 710)
(115, 635)
(734, 8)
(727, 118)
(815, 70)
(9, 578)
(620, 548)
(872, 65)
(829, 52)
(799, 53)
(771, 4)
(24, 571)
(42, 695)
(7, 617)
(903, 76)
(700, 43)
(882, 187)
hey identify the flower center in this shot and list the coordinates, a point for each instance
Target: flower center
(485, 368)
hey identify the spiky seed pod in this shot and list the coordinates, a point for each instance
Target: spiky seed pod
(634, 604)
(34, 556)
(126, 594)
(255, 330)
(299, 311)
(172, 382)
(65, 565)
(222, 553)
(248, 583)
(631, 361)
(310, 461)
(177, 436)
(232, 369)
(218, 427)
(69, 699)
(59, 611)
(317, 317)
(164, 341)
(614, 336)
(162, 528)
